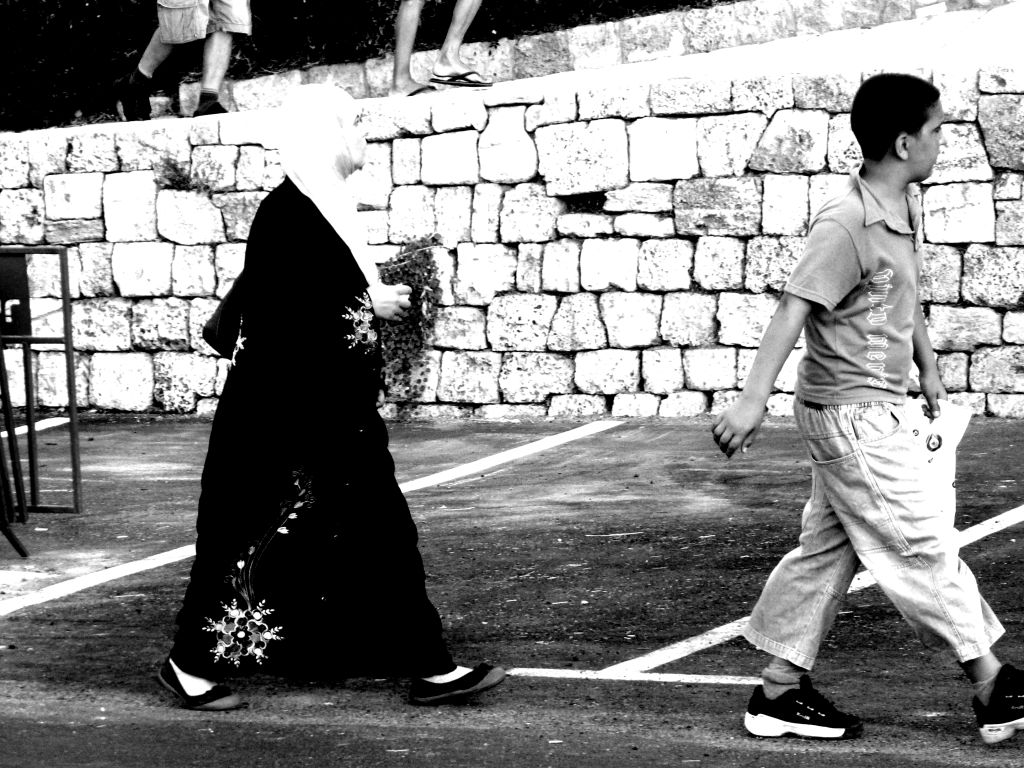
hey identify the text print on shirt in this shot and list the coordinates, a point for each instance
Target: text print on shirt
(877, 343)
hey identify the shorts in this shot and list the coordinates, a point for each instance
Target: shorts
(182, 21)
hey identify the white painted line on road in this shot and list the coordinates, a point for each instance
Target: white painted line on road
(64, 588)
(56, 421)
(636, 677)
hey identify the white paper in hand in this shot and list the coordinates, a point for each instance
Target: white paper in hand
(938, 439)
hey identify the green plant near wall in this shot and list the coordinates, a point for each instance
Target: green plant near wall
(407, 342)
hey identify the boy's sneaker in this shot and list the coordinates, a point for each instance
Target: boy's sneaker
(132, 98)
(210, 108)
(800, 712)
(1004, 715)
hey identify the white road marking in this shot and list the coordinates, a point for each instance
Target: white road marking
(64, 588)
(57, 421)
(638, 677)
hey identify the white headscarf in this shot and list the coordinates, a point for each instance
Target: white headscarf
(317, 137)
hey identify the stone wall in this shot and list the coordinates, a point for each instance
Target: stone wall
(613, 247)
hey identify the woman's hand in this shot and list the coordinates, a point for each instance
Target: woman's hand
(380, 398)
(389, 301)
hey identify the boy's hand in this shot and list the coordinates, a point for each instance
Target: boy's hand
(933, 391)
(389, 301)
(736, 427)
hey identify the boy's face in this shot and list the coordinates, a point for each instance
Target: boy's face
(923, 146)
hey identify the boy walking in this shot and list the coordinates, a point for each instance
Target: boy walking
(854, 294)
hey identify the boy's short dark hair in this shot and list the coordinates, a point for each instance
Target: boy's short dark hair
(887, 105)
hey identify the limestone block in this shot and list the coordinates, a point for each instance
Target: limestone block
(681, 404)
(1013, 327)
(963, 328)
(766, 94)
(376, 224)
(959, 213)
(795, 141)
(959, 88)
(487, 200)
(743, 318)
(351, 77)
(614, 98)
(405, 161)
(1002, 124)
(179, 379)
(584, 157)
(998, 369)
(47, 153)
(520, 321)
(264, 92)
(93, 150)
(450, 158)
(142, 269)
(228, 260)
(528, 215)
(544, 54)
(973, 400)
(813, 17)
(718, 263)
(460, 328)
(785, 381)
(483, 271)
(560, 268)
(52, 380)
(711, 28)
(595, 46)
(662, 369)
(436, 413)
(188, 218)
(691, 96)
(780, 404)
(663, 148)
(511, 412)
(642, 197)
(412, 214)
(609, 264)
(963, 157)
(632, 319)
(1001, 78)
(953, 371)
(993, 277)
(495, 59)
(199, 311)
(44, 274)
(770, 261)
(832, 92)
(710, 368)
(559, 106)
(726, 142)
(21, 216)
(121, 381)
(688, 319)
(192, 271)
(457, 110)
(469, 377)
(372, 183)
(635, 405)
(940, 274)
(664, 265)
(15, 364)
(507, 152)
(515, 92)
(14, 161)
(607, 371)
(102, 325)
(577, 325)
(251, 168)
(1006, 406)
(584, 225)
(658, 36)
(844, 153)
(73, 196)
(73, 231)
(213, 168)
(453, 208)
(785, 205)
(1008, 186)
(1010, 222)
(825, 187)
(425, 372)
(160, 324)
(238, 209)
(577, 406)
(644, 225)
(726, 206)
(95, 277)
(273, 173)
(529, 267)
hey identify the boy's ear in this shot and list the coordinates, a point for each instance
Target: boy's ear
(900, 146)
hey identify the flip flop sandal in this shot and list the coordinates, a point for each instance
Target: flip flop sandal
(462, 80)
(422, 89)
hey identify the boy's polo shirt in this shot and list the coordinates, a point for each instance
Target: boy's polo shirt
(860, 270)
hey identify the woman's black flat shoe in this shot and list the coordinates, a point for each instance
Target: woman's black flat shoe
(480, 678)
(218, 699)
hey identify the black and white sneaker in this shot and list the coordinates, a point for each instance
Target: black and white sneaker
(1004, 715)
(800, 712)
(481, 678)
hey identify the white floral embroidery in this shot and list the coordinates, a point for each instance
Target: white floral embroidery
(363, 333)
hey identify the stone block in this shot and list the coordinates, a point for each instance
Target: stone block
(1013, 327)
(1006, 406)
(188, 218)
(421, 384)
(682, 404)
(457, 110)
(460, 328)
(725, 206)
(507, 152)
(199, 311)
(659, 36)
(770, 261)
(614, 97)
(264, 92)
(609, 264)
(577, 406)
(825, 187)
(963, 157)
(691, 96)
(1002, 124)
(743, 318)
(238, 209)
(963, 329)
(560, 268)
(351, 77)
(180, 379)
(579, 158)
(161, 325)
(48, 320)
(520, 322)
(515, 93)
(21, 216)
(607, 371)
(993, 277)
(785, 204)
(14, 161)
(631, 319)
(513, 413)
(47, 152)
(52, 380)
(710, 368)
(453, 209)
(102, 325)
(95, 276)
(595, 46)
(718, 263)
(436, 413)
(44, 274)
(412, 214)
(228, 260)
(273, 173)
(559, 106)
(953, 371)
(635, 405)
(959, 88)
(784, 382)
(663, 148)
(469, 377)
(405, 161)
(529, 215)
(662, 369)
(711, 29)
(15, 365)
(129, 206)
(584, 225)
(940, 274)
(795, 141)
(832, 92)
(483, 271)
(372, 184)
(577, 325)
(487, 199)
(1001, 78)
(71, 231)
(73, 196)
(213, 168)
(93, 150)
(688, 319)
(664, 265)
(142, 269)
(998, 370)
(530, 377)
(529, 265)
(641, 197)
(780, 404)
(1010, 222)
(766, 94)
(377, 225)
(843, 152)
(1008, 186)
(644, 225)
(959, 213)
(121, 381)
(251, 168)
(725, 142)
(539, 55)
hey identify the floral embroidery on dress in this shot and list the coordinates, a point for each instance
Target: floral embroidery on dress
(364, 334)
(239, 345)
(243, 632)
